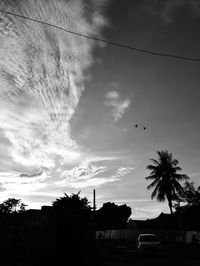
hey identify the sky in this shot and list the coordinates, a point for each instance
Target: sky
(69, 105)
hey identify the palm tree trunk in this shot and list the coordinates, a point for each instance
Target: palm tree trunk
(170, 205)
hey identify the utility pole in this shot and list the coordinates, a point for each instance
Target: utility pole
(93, 215)
(93, 231)
(94, 201)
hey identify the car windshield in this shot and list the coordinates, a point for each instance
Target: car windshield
(148, 238)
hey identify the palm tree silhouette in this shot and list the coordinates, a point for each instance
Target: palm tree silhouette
(165, 178)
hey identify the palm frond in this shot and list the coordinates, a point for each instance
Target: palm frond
(151, 167)
(154, 161)
(180, 177)
(177, 168)
(178, 188)
(153, 184)
(151, 176)
(175, 162)
(161, 196)
(155, 192)
(165, 178)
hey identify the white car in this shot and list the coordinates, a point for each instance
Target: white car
(148, 243)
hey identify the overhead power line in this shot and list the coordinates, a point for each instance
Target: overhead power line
(96, 38)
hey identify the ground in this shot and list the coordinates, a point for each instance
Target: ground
(125, 253)
(121, 253)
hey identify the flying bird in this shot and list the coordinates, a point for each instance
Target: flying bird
(138, 126)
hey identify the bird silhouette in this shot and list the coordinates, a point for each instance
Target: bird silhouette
(136, 125)
(144, 128)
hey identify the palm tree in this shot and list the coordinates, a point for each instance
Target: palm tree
(165, 178)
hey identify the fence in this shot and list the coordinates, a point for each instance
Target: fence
(132, 234)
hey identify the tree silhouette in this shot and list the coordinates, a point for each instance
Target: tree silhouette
(165, 178)
(71, 204)
(189, 199)
(112, 216)
(12, 205)
(73, 222)
(191, 194)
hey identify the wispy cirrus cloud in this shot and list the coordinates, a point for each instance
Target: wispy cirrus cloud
(12, 176)
(121, 172)
(31, 175)
(41, 76)
(83, 175)
(22, 184)
(125, 170)
(90, 173)
(117, 104)
(83, 171)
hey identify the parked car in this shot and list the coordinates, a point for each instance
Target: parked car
(148, 243)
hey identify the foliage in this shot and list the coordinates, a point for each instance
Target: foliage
(71, 204)
(112, 216)
(12, 205)
(191, 194)
(190, 198)
(188, 205)
(165, 178)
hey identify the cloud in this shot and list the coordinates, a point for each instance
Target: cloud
(2, 187)
(31, 175)
(101, 158)
(112, 95)
(89, 174)
(83, 175)
(118, 105)
(41, 76)
(125, 170)
(122, 171)
(83, 171)
(17, 183)
(12, 177)
(166, 9)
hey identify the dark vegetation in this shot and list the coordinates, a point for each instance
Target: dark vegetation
(165, 177)
(63, 231)
(112, 216)
(187, 206)
(12, 205)
(71, 204)
(184, 199)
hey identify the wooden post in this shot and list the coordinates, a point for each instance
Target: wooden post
(93, 215)
(94, 201)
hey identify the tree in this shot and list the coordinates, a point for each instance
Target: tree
(71, 204)
(73, 226)
(112, 216)
(188, 205)
(165, 178)
(189, 198)
(12, 205)
(191, 194)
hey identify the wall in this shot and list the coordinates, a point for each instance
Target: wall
(132, 234)
(122, 234)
